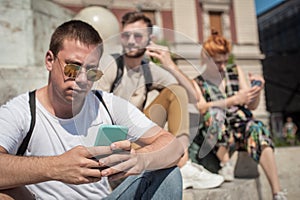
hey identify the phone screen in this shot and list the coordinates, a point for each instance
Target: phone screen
(255, 82)
(108, 134)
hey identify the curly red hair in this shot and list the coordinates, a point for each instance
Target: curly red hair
(216, 44)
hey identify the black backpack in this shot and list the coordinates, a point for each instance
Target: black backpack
(120, 64)
(32, 105)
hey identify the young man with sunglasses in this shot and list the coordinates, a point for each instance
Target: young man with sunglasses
(59, 161)
(170, 105)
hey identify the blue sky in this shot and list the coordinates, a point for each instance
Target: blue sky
(263, 5)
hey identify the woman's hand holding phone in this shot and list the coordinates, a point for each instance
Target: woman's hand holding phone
(256, 82)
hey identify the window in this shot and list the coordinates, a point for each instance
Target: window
(151, 15)
(215, 19)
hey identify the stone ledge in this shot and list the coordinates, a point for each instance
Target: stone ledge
(239, 189)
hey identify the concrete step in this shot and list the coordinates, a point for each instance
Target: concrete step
(239, 189)
(288, 165)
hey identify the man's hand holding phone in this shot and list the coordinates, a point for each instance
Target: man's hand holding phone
(121, 157)
(160, 53)
(121, 164)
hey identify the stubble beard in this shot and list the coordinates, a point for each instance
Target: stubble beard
(138, 54)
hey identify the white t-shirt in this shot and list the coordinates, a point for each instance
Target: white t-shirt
(54, 136)
(132, 85)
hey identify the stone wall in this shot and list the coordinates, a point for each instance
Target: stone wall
(25, 30)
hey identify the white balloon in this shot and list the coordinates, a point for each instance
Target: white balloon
(101, 19)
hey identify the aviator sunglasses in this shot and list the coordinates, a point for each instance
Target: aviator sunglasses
(73, 70)
(137, 36)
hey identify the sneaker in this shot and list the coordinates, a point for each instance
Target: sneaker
(227, 171)
(197, 177)
(280, 196)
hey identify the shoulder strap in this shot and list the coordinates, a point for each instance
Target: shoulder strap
(148, 78)
(99, 95)
(25, 142)
(120, 69)
(147, 74)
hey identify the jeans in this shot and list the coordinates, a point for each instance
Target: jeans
(160, 184)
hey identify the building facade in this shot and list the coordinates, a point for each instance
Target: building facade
(185, 23)
(279, 31)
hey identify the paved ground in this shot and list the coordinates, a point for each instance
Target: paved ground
(258, 189)
(288, 164)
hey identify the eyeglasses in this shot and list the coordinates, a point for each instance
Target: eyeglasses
(72, 71)
(137, 36)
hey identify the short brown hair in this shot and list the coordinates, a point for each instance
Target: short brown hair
(135, 16)
(216, 44)
(74, 29)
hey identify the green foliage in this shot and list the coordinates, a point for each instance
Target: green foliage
(231, 59)
(281, 142)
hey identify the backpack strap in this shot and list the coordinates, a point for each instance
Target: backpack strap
(147, 75)
(99, 95)
(25, 142)
(148, 78)
(120, 69)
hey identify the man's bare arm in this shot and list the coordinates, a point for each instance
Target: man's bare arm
(73, 166)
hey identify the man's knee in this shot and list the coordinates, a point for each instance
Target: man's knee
(171, 185)
(171, 176)
(176, 175)
(178, 91)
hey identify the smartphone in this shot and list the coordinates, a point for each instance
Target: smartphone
(255, 82)
(108, 134)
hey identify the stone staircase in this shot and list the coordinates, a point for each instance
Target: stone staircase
(288, 165)
(239, 189)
